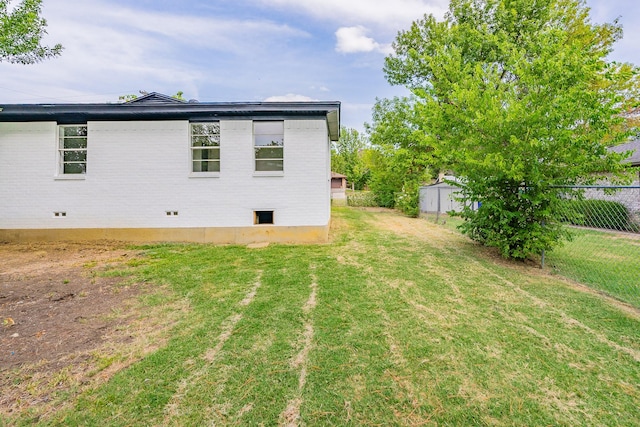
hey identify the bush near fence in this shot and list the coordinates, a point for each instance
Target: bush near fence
(603, 214)
(604, 252)
(361, 199)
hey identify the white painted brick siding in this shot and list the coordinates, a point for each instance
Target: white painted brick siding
(138, 170)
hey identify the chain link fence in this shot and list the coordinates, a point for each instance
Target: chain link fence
(604, 222)
(604, 252)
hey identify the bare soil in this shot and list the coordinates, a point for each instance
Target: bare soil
(52, 302)
(56, 307)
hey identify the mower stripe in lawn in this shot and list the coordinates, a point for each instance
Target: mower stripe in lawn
(290, 417)
(210, 356)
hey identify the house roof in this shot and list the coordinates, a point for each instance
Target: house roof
(155, 98)
(337, 175)
(155, 106)
(629, 146)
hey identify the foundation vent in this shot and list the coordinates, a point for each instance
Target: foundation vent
(263, 217)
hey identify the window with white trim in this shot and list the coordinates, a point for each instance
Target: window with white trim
(268, 144)
(72, 149)
(205, 147)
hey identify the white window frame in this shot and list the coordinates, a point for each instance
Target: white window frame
(277, 140)
(207, 148)
(61, 150)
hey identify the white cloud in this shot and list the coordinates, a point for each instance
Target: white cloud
(225, 34)
(119, 59)
(290, 97)
(110, 50)
(391, 15)
(354, 39)
(383, 18)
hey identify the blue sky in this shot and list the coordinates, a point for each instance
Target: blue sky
(238, 50)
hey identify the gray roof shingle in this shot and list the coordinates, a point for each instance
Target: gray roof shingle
(629, 146)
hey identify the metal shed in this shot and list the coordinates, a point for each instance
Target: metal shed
(440, 198)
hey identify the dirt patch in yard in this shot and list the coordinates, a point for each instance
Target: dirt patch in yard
(64, 316)
(52, 302)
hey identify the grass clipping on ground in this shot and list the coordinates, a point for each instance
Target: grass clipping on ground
(395, 322)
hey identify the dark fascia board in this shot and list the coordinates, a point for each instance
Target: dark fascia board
(81, 113)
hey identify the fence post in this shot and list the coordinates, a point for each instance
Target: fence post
(438, 208)
(542, 254)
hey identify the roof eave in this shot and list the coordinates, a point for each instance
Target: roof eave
(333, 122)
(56, 112)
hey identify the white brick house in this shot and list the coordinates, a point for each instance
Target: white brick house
(159, 169)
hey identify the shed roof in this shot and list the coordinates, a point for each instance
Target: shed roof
(156, 106)
(629, 146)
(337, 175)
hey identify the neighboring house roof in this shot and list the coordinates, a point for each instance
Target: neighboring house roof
(155, 98)
(155, 106)
(446, 181)
(337, 175)
(629, 146)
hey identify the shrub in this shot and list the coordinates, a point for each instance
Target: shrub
(384, 189)
(520, 221)
(599, 214)
(361, 199)
(408, 200)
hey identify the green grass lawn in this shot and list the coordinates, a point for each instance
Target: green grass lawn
(606, 261)
(396, 322)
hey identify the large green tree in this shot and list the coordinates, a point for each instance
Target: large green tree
(403, 154)
(21, 33)
(347, 157)
(519, 97)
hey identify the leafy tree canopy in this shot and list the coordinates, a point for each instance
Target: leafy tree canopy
(518, 96)
(21, 33)
(404, 154)
(347, 157)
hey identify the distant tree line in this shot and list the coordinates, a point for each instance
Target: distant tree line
(381, 160)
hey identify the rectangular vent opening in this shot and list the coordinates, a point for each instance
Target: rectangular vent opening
(172, 213)
(59, 214)
(263, 217)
